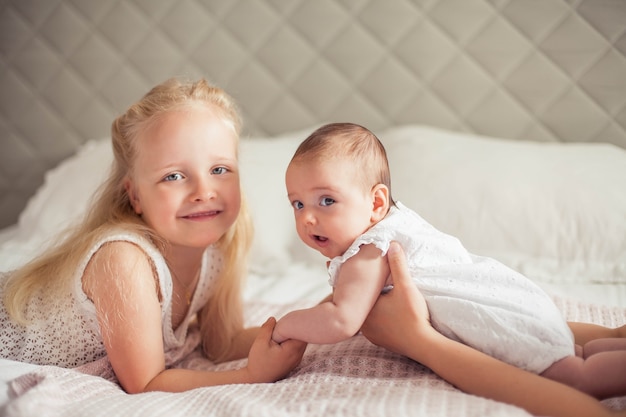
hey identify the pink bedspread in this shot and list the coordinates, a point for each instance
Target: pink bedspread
(353, 378)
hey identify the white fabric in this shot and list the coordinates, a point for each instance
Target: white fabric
(262, 164)
(351, 378)
(475, 300)
(555, 212)
(65, 331)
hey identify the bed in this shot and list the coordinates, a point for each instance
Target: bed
(555, 212)
(504, 125)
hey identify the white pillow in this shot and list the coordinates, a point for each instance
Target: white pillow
(67, 189)
(553, 211)
(60, 200)
(263, 162)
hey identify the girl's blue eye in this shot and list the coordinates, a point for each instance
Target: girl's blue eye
(219, 171)
(297, 205)
(327, 201)
(173, 177)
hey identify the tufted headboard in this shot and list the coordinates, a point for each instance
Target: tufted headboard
(545, 70)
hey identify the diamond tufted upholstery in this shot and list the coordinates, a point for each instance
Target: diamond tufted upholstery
(545, 70)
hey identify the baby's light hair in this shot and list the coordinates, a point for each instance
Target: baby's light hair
(110, 208)
(348, 141)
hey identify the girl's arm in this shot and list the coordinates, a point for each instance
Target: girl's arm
(400, 322)
(241, 344)
(268, 361)
(120, 281)
(358, 286)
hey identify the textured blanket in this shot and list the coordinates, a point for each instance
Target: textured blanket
(353, 378)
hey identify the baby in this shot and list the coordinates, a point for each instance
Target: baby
(338, 183)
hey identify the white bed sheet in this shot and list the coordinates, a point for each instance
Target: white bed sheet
(305, 283)
(351, 378)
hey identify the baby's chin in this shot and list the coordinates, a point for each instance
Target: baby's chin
(331, 254)
(325, 252)
(326, 247)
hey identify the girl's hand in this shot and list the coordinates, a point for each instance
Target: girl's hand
(269, 361)
(400, 317)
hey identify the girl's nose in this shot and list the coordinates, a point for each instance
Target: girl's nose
(203, 190)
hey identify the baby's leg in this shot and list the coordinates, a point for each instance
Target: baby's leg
(585, 332)
(600, 375)
(603, 345)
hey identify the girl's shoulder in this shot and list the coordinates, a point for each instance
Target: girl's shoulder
(116, 261)
(119, 252)
(125, 244)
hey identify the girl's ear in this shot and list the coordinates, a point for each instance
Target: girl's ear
(132, 195)
(380, 194)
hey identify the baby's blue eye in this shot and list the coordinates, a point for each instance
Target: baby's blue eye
(297, 204)
(173, 177)
(219, 171)
(327, 201)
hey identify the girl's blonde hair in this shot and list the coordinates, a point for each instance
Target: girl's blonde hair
(110, 208)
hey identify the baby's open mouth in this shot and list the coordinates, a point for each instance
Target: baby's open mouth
(320, 238)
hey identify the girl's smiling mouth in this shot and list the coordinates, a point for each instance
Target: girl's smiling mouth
(201, 215)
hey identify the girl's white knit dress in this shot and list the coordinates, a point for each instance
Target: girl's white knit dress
(65, 332)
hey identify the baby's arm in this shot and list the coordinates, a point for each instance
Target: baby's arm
(358, 285)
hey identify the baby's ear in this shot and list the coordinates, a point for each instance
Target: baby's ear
(380, 200)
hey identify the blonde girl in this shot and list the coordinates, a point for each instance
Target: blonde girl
(165, 240)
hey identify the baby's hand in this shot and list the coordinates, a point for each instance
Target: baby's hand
(269, 361)
(276, 336)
